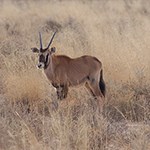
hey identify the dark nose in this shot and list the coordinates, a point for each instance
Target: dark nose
(39, 65)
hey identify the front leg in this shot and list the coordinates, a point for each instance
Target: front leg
(62, 90)
(65, 91)
(59, 90)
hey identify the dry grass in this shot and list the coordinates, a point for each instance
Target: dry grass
(116, 32)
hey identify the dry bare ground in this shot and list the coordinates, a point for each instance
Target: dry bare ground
(115, 31)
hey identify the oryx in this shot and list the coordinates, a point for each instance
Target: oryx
(63, 71)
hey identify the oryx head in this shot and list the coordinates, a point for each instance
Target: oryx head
(44, 53)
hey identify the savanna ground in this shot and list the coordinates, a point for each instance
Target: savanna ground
(115, 31)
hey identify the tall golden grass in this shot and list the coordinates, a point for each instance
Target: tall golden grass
(117, 33)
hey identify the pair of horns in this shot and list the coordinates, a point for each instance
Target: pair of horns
(41, 46)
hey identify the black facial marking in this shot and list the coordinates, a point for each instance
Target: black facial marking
(42, 58)
(47, 58)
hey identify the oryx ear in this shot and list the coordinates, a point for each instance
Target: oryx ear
(35, 50)
(53, 50)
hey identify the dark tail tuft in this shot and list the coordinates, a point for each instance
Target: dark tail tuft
(102, 84)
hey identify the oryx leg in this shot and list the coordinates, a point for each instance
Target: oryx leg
(65, 91)
(62, 91)
(59, 92)
(94, 87)
(89, 89)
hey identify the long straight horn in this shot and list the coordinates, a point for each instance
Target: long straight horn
(41, 47)
(51, 40)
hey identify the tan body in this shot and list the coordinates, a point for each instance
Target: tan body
(65, 70)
